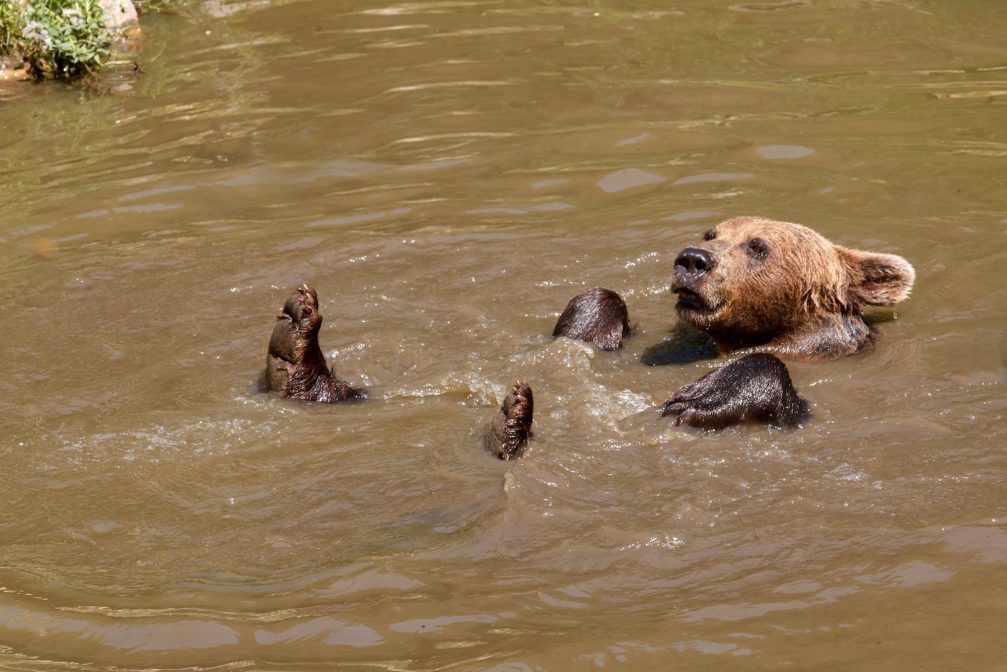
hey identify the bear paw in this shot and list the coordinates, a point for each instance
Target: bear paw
(511, 428)
(756, 388)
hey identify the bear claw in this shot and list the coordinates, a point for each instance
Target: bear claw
(756, 388)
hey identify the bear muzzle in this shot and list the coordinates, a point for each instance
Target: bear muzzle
(694, 262)
(693, 268)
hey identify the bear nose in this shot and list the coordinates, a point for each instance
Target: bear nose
(694, 262)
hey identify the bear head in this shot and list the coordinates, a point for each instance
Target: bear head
(755, 282)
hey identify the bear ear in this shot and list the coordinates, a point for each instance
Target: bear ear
(877, 279)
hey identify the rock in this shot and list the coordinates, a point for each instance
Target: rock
(119, 14)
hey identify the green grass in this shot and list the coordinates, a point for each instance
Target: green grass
(60, 39)
(55, 38)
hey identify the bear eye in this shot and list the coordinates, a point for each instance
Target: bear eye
(710, 235)
(757, 248)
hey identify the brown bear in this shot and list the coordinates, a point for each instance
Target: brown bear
(510, 430)
(597, 316)
(295, 365)
(755, 284)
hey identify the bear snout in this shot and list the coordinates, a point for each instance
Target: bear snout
(692, 263)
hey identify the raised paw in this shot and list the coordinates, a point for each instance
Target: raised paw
(295, 365)
(756, 388)
(511, 428)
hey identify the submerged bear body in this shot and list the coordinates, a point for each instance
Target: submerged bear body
(758, 287)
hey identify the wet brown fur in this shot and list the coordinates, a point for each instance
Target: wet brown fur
(596, 316)
(508, 435)
(803, 298)
(295, 365)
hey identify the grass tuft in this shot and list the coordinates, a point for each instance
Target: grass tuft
(60, 39)
(55, 38)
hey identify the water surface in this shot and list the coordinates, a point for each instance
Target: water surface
(448, 175)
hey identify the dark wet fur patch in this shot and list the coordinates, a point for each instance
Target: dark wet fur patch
(596, 316)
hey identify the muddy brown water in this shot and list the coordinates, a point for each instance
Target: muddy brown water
(448, 175)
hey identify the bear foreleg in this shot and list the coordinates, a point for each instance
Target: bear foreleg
(756, 388)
